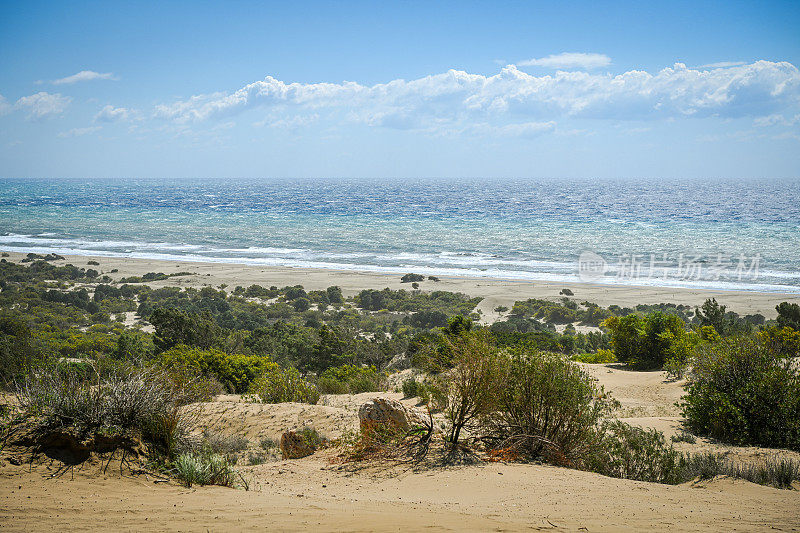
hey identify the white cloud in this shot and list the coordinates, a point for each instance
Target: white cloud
(5, 107)
(457, 99)
(85, 75)
(569, 60)
(77, 132)
(723, 64)
(776, 119)
(110, 113)
(43, 104)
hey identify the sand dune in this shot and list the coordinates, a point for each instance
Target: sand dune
(320, 493)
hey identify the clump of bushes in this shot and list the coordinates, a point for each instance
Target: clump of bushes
(143, 403)
(235, 371)
(277, 385)
(742, 392)
(650, 341)
(601, 356)
(351, 379)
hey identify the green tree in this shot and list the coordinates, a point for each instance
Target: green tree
(647, 342)
(788, 315)
(173, 327)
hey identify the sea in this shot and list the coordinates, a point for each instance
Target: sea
(720, 234)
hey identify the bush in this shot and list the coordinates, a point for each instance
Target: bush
(630, 452)
(409, 278)
(468, 391)
(548, 408)
(742, 392)
(143, 401)
(352, 379)
(227, 445)
(599, 357)
(235, 371)
(649, 342)
(174, 327)
(412, 388)
(276, 385)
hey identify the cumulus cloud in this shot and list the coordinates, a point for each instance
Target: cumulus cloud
(43, 104)
(569, 60)
(460, 99)
(84, 75)
(77, 132)
(110, 113)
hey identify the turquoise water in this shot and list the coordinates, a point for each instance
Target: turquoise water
(713, 233)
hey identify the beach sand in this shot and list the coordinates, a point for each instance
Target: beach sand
(495, 292)
(320, 493)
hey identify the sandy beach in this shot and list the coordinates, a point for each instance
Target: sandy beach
(495, 292)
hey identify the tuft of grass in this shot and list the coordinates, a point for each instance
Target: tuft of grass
(224, 444)
(683, 436)
(204, 469)
(775, 472)
(257, 458)
(268, 444)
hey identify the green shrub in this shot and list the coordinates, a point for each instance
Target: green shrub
(649, 342)
(352, 379)
(742, 392)
(630, 452)
(276, 385)
(548, 408)
(413, 388)
(684, 437)
(234, 371)
(599, 357)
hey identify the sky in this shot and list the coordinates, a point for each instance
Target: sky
(400, 89)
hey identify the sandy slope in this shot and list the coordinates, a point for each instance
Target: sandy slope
(312, 494)
(321, 494)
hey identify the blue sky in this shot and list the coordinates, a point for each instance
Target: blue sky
(378, 89)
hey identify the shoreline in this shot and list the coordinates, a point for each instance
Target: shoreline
(495, 291)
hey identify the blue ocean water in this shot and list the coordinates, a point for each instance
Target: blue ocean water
(725, 234)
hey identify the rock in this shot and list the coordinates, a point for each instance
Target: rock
(295, 445)
(391, 415)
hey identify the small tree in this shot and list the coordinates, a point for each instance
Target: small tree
(788, 315)
(469, 389)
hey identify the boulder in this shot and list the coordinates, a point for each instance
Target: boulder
(390, 415)
(295, 445)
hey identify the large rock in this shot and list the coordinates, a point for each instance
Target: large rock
(389, 415)
(295, 445)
